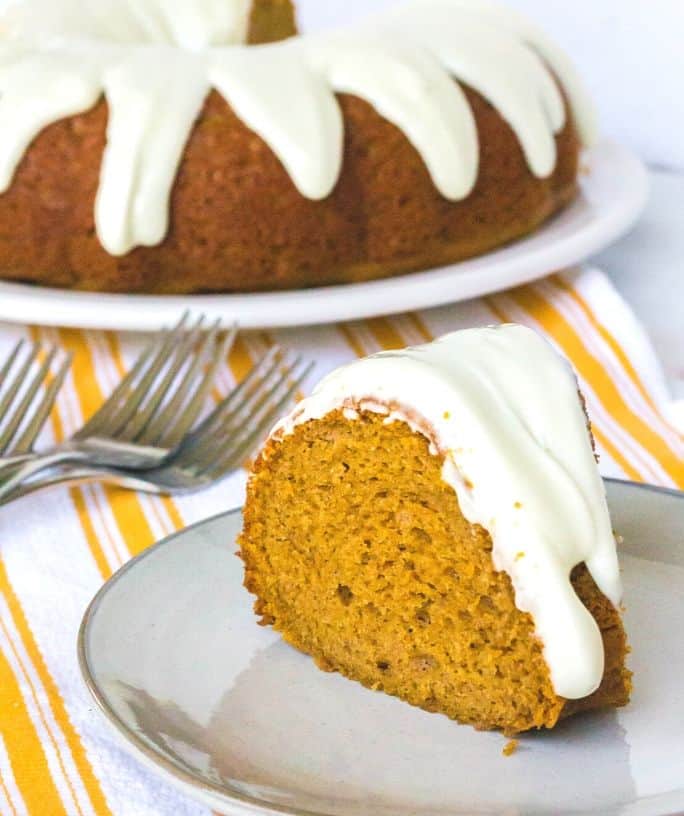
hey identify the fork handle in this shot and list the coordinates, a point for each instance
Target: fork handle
(33, 465)
(80, 476)
(8, 463)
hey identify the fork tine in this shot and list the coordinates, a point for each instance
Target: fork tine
(11, 393)
(104, 413)
(260, 372)
(127, 396)
(21, 409)
(234, 452)
(7, 367)
(175, 432)
(28, 437)
(135, 427)
(245, 409)
(159, 424)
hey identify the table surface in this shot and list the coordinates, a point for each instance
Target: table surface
(647, 267)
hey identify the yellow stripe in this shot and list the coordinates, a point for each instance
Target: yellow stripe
(352, 340)
(174, 513)
(77, 496)
(420, 327)
(240, 362)
(601, 438)
(498, 312)
(167, 502)
(24, 748)
(91, 537)
(35, 695)
(59, 712)
(556, 326)
(610, 340)
(5, 790)
(125, 505)
(112, 343)
(55, 418)
(385, 333)
(614, 452)
(239, 359)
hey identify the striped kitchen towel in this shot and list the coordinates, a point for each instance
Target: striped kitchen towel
(56, 754)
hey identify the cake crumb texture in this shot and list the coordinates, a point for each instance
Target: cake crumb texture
(359, 556)
(510, 747)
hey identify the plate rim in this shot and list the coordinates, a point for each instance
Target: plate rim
(329, 304)
(187, 781)
(192, 785)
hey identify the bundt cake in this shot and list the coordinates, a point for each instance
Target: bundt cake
(172, 148)
(431, 522)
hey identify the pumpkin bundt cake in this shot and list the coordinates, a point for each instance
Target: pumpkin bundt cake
(431, 522)
(173, 148)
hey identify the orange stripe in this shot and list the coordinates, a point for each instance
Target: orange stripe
(125, 505)
(420, 327)
(614, 452)
(556, 326)
(24, 748)
(130, 519)
(239, 359)
(6, 792)
(35, 695)
(167, 502)
(497, 311)
(352, 340)
(385, 333)
(91, 537)
(77, 496)
(610, 340)
(55, 418)
(112, 343)
(240, 362)
(601, 438)
(83, 766)
(173, 512)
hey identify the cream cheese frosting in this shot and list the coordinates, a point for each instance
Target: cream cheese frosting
(156, 61)
(503, 409)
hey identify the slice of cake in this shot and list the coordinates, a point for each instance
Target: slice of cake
(431, 522)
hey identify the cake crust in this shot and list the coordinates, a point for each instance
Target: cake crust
(359, 555)
(239, 224)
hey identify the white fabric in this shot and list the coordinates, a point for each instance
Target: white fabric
(49, 547)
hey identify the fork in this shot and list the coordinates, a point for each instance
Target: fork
(215, 448)
(23, 413)
(148, 414)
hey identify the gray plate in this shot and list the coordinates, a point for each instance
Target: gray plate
(171, 652)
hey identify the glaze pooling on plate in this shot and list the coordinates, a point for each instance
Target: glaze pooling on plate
(57, 58)
(502, 408)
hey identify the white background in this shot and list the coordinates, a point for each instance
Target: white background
(630, 53)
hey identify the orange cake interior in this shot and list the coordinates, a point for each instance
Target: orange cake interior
(359, 555)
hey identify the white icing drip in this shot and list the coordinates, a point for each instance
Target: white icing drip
(36, 91)
(276, 93)
(503, 409)
(155, 62)
(409, 88)
(191, 24)
(523, 92)
(146, 134)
